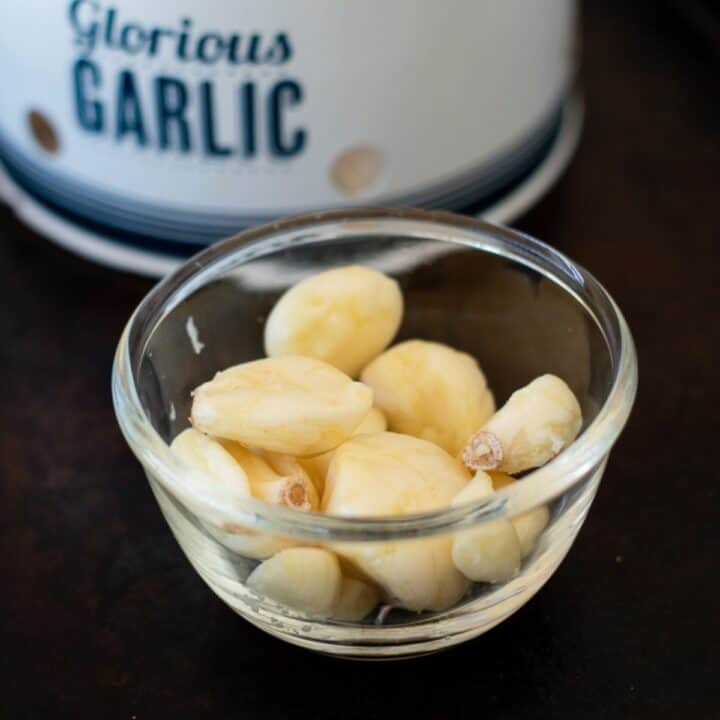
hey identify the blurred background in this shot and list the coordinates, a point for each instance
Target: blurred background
(101, 613)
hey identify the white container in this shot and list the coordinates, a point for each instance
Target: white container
(136, 132)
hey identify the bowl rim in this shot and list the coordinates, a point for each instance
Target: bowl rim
(538, 487)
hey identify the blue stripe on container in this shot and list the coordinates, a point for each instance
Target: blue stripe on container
(183, 232)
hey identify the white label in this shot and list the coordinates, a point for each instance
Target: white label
(251, 109)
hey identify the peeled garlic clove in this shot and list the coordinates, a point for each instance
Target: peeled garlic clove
(317, 466)
(250, 543)
(357, 599)
(288, 405)
(529, 525)
(412, 574)
(210, 462)
(344, 317)
(306, 579)
(390, 474)
(222, 472)
(276, 479)
(431, 391)
(292, 468)
(489, 552)
(534, 425)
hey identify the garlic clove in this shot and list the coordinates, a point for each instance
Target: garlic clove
(357, 599)
(430, 391)
(213, 467)
(534, 425)
(489, 552)
(305, 579)
(289, 405)
(218, 472)
(384, 474)
(276, 479)
(248, 542)
(529, 525)
(345, 317)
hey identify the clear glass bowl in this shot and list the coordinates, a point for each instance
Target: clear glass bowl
(520, 307)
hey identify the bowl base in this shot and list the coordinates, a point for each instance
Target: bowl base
(225, 572)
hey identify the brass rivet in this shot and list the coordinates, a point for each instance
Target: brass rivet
(43, 131)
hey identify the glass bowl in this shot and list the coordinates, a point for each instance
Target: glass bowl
(517, 305)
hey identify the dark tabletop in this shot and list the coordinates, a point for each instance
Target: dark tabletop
(101, 616)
